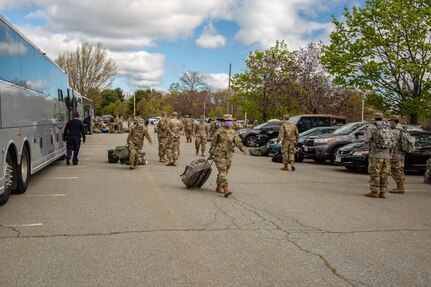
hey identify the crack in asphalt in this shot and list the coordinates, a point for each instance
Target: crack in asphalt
(11, 228)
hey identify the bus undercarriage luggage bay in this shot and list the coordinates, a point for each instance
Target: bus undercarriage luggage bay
(35, 104)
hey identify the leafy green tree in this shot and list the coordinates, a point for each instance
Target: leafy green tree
(109, 96)
(385, 49)
(267, 82)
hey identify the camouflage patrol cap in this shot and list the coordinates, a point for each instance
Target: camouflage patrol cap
(227, 117)
(286, 117)
(202, 117)
(378, 116)
(175, 114)
(394, 118)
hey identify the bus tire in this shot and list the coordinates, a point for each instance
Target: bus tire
(9, 173)
(23, 174)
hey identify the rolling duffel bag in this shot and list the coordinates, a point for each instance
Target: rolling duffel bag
(196, 173)
(122, 152)
(112, 158)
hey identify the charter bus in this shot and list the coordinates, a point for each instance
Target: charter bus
(35, 104)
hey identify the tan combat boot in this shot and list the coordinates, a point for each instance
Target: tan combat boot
(286, 167)
(170, 162)
(372, 194)
(400, 188)
(219, 189)
(162, 159)
(292, 164)
(135, 164)
(227, 192)
(132, 166)
(174, 162)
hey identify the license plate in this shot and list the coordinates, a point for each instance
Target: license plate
(305, 148)
(338, 158)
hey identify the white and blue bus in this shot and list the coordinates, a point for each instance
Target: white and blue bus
(35, 104)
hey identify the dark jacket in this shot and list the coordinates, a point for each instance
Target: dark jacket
(74, 128)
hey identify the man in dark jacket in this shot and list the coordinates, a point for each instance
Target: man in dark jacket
(72, 136)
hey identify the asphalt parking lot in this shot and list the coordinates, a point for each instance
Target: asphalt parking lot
(101, 224)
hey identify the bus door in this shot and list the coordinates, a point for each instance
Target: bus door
(69, 105)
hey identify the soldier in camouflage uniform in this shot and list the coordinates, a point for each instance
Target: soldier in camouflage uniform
(378, 160)
(288, 136)
(175, 127)
(221, 151)
(201, 131)
(162, 136)
(214, 125)
(188, 128)
(135, 140)
(397, 155)
(111, 125)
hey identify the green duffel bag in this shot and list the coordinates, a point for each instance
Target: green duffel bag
(259, 151)
(122, 152)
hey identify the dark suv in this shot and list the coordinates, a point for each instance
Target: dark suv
(306, 122)
(249, 136)
(323, 147)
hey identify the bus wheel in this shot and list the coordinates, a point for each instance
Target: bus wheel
(23, 173)
(9, 175)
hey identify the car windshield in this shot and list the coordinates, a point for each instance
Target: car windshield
(347, 129)
(294, 120)
(258, 127)
(309, 132)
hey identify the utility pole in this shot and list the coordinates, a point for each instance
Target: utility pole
(228, 89)
(134, 105)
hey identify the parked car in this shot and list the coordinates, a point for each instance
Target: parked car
(249, 136)
(107, 118)
(274, 147)
(303, 123)
(323, 147)
(355, 156)
(306, 122)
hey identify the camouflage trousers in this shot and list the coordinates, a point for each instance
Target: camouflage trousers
(223, 165)
(134, 150)
(397, 170)
(188, 133)
(200, 142)
(162, 146)
(173, 148)
(111, 127)
(378, 169)
(288, 152)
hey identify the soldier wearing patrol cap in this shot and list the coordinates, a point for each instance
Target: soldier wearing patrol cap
(288, 136)
(397, 155)
(221, 151)
(175, 127)
(188, 128)
(135, 140)
(201, 132)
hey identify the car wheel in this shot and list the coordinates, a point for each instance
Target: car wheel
(23, 174)
(9, 174)
(251, 141)
(299, 156)
(334, 154)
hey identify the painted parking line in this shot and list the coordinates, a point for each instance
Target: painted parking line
(25, 225)
(55, 178)
(44, 195)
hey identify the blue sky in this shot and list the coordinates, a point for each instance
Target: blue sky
(154, 42)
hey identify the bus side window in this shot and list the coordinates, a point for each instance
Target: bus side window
(60, 95)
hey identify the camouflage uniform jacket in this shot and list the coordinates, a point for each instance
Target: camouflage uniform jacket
(188, 123)
(201, 129)
(288, 134)
(223, 141)
(175, 127)
(213, 127)
(396, 151)
(370, 136)
(162, 128)
(137, 134)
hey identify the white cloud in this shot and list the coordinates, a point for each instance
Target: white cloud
(139, 69)
(210, 38)
(218, 81)
(127, 28)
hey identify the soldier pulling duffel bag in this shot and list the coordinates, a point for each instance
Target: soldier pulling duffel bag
(196, 173)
